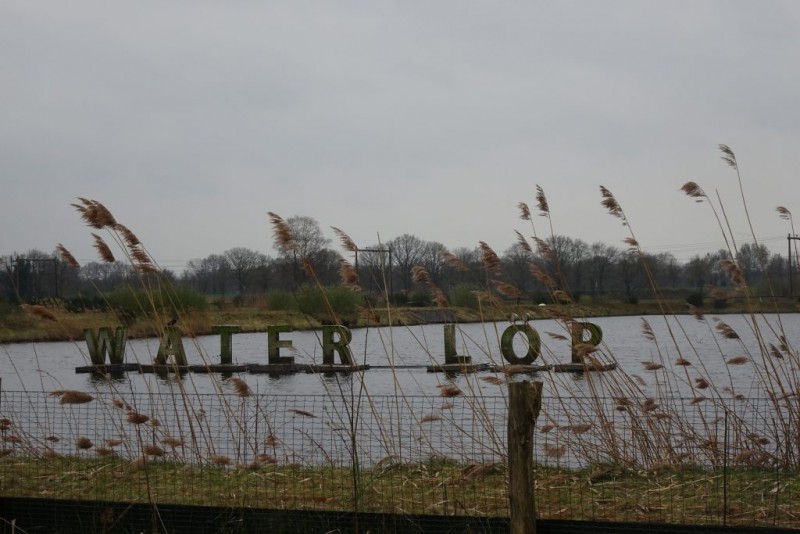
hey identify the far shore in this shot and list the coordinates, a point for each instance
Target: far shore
(21, 327)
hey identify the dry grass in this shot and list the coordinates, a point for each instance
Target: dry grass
(668, 494)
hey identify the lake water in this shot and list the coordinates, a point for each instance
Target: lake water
(391, 351)
(399, 408)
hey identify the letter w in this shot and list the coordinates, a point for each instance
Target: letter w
(104, 343)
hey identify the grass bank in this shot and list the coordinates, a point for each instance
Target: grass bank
(62, 325)
(691, 496)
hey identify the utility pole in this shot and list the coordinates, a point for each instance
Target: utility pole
(789, 239)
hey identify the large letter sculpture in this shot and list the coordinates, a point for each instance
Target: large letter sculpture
(507, 344)
(171, 345)
(342, 345)
(104, 343)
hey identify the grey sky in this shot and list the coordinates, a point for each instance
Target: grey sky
(190, 120)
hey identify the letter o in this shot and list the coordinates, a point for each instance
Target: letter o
(507, 344)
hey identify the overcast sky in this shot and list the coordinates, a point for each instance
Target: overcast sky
(191, 120)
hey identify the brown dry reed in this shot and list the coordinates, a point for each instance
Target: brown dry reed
(347, 243)
(94, 213)
(37, 310)
(282, 233)
(67, 257)
(453, 261)
(75, 397)
(102, 249)
(240, 387)
(491, 262)
(524, 211)
(137, 418)
(348, 275)
(541, 202)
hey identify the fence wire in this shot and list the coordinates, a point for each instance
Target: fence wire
(600, 458)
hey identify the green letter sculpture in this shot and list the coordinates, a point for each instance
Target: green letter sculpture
(507, 344)
(450, 356)
(342, 345)
(579, 343)
(225, 334)
(275, 344)
(104, 343)
(171, 345)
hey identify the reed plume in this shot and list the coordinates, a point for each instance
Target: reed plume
(493, 380)
(37, 310)
(507, 290)
(128, 236)
(449, 391)
(728, 156)
(541, 202)
(544, 248)
(302, 412)
(429, 418)
(75, 397)
(66, 256)
(137, 418)
(524, 211)
(693, 190)
(523, 242)
(491, 262)
(453, 261)
(738, 360)
(647, 330)
(102, 249)
(171, 442)
(240, 386)
(347, 243)
(611, 204)
(734, 272)
(282, 233)
(153, 450)
(632, 243)
(84, 443)
(725, 330)
(94, 213)
(421, 275)
(348, 274)
(541, 276)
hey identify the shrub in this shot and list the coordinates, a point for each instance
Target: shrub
(313, 300)
(130, 302)
(463, 295)
(280, 301)
(420, 299)
(695, 299)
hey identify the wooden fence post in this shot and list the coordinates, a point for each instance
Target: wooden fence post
(524, 404)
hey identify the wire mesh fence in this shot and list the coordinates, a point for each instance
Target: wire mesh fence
(598, 458)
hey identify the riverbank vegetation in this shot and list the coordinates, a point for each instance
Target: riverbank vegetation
(439, 486)
(57, 321)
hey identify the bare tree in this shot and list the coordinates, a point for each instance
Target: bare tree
(407, 251)
(243, 263)
(309, 244)
(209, 275)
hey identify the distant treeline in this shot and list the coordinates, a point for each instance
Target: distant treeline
(580, 268)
